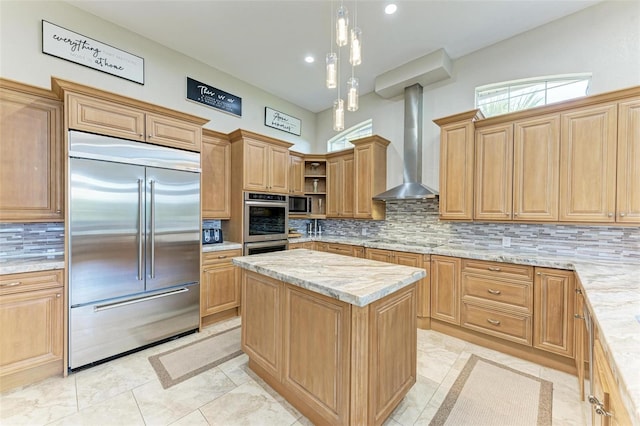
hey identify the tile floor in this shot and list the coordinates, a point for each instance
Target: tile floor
(126, 391)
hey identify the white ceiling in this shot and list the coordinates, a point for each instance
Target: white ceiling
(264, 42)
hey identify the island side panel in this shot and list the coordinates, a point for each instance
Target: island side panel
(262, 321)
(393, 351)
(316, 354)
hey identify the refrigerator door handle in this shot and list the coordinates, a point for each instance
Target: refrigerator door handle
(140, 225)
(153, 228)
(107, 306)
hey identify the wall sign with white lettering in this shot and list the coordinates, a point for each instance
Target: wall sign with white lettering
(74, 47)
(281, 121)
(214, 98)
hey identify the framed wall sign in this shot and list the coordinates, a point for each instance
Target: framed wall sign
(214, 98)
(281, 121)
(73, 47)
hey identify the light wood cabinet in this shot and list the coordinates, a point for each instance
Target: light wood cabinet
(264, 162)
(31, 154)
(220, 286)
(31, 314)
(340, 182)
(445, 288)
(296, 173)
(612, 411)
(216, 175)
(494, 171)
(497, 299)
(588, 164)
(457, 165)
(96, 111)
(370, 171)
(580, 345)
(628, 182)
(423, 287)
(554, 304)
(309, 245)
(315, 185)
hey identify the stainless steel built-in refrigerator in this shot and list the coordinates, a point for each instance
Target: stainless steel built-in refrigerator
(134, 246)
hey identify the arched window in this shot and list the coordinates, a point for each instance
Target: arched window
(341, 140)
(509, 96)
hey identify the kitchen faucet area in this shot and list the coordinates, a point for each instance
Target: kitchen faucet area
(411, 213)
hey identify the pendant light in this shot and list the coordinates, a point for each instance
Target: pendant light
(332, 70)
(352, 94)
(355, 58)
(342, 26)
(338, 115)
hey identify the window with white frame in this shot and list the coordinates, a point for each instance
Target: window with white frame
(342, 140)
(509, 96)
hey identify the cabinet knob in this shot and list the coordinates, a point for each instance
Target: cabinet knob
(610, 215)
(58, 211)
(58, 295)
(149, 136)
(621, 214)
(515, 214)
(538, 273)
(578, 316)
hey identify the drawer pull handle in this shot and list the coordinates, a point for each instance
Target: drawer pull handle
(222, 257)
(492, 291)
(493, 322)
(494, 269)
(13, 284)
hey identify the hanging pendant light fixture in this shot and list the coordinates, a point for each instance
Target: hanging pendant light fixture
(343, 36)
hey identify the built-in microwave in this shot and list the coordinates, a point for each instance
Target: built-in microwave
(299, 204)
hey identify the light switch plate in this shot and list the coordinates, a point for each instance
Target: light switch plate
(506, 241)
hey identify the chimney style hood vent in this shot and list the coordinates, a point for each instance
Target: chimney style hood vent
(412, 188)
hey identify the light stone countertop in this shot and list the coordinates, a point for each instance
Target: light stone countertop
(31, 264)
(349, 279)
(227, 245)
(612, 294)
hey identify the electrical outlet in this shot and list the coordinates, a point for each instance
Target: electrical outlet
(364, 231)
(506, 241)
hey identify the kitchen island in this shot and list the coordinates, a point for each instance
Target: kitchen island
(334, 335)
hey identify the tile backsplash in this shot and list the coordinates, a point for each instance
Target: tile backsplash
(409, 220)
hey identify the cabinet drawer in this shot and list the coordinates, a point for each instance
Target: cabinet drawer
(340, 249)
(220, 256)
(505, 270)
(509, 326)
(509, 293)
(29, 281)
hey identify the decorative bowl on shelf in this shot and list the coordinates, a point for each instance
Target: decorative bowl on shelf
(314, 165)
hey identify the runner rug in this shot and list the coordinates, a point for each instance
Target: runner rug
(177, 365)
(488, 393)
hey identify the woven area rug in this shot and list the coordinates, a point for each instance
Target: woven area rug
(180, 364)
(488, 393)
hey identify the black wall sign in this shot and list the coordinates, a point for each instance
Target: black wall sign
(214, 98)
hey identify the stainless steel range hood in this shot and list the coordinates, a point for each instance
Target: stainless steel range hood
(412, 188)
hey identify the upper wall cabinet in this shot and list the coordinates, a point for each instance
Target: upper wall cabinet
(216, 175)
(340, 185)
(370, 171)
(30, 154)
(296, 173)
(263, 161)
(96, 111)
(570, 162)
(456, 165)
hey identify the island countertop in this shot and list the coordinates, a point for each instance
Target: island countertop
(349, 279)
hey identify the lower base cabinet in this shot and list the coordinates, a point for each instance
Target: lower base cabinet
(554, 305)
(609, 410)
(220, 289)
(31, 315)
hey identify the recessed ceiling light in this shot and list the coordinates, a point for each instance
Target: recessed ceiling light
(309, 59)
(390, 9)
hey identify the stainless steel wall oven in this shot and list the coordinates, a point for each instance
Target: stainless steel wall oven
(266, 222)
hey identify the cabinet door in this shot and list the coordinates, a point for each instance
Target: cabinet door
(580, 338)
(494, 171)
(174, 133)
(456, 171)
(347, 187)
(220, 288)
(340, 192)
(216, 177)
(554, 303)
(370, 177)
(536, 163)
(628, 199)
(588, 164)
(32, 332)
(445, 289)
(105, 118)
(30, 158)
(378, 254)
(333, 187)
(423, 290)
(278, 169)
(606, 391)
(255, 165)
(296, 174)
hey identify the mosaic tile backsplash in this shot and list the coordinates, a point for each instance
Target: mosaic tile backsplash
(409, 220)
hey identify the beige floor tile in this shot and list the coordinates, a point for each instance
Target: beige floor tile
(248, 404)
(164, 406)
(567, 408)
(236, 369)
(409, 409)
(120, 410)
(195, 418)
(434, 363)
(39, 403)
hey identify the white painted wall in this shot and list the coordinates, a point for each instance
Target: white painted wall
(21, 59)
(603, 39)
